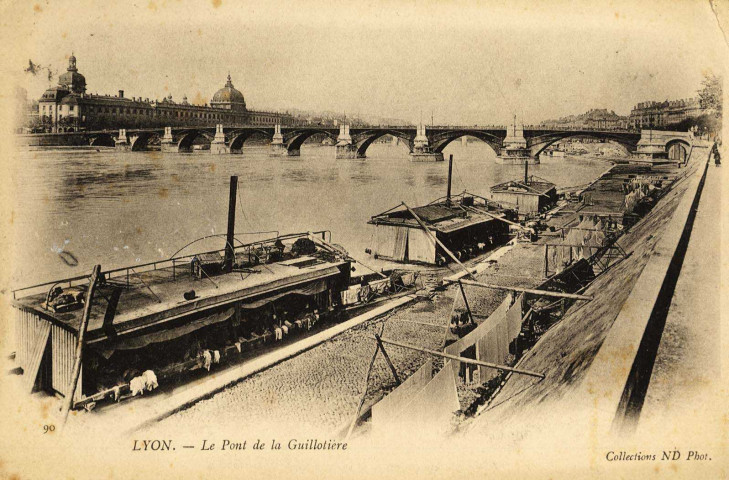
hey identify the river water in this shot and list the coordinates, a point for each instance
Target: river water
(119, 209)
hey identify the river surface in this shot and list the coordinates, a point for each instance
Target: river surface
(76, 208)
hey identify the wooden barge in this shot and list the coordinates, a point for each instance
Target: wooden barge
(173, 316)
(530, 195)
(465, 224)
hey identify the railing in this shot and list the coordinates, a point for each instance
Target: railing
(134, 270)
(208, 124)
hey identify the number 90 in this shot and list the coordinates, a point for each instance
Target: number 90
(49, 428)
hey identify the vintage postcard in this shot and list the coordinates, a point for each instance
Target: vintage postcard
(382, 239)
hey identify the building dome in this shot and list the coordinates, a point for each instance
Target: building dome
(228, 97)
(72, 80)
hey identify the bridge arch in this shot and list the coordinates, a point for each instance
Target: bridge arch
(678, 150)
(538, 144)
(442, 141)
(371, 136)
(238, 138)
(295, 139)
(188, 137)
(141, 141)
(102, 140)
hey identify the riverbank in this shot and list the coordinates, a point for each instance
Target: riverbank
(588, 357)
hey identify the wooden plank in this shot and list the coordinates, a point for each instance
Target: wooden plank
(39, 345)
(387, 359)
(76, 371)
(544, 293)
(463, 359)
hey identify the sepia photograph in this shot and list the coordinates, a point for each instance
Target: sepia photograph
(382, 239)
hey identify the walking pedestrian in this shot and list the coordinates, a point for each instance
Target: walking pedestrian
(717, 156)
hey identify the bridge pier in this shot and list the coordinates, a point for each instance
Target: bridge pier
(167, 142)
(278, 147)
(121, 143)
(659, 146)
(514, 150)
(347, 152)
(345, 149)
(218, 146)
(421, 148)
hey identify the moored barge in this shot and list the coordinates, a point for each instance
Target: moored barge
(465, 224)
(147, 323)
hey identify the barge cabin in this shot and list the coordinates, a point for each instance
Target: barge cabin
(465, 224)
(529, 195)
(173, 316)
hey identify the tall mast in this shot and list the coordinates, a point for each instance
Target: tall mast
(229, 251)
(450, 176)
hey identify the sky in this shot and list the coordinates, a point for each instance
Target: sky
(459, 62)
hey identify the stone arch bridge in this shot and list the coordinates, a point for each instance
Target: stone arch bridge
(513, 145)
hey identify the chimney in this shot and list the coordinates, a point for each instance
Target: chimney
(121, 93)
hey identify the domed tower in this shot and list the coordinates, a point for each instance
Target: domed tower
(72, 80)
(229, 98)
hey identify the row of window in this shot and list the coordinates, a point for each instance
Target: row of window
(165, 113)
(50, 109)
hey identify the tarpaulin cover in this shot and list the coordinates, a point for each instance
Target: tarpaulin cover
(387, 409)
(351, 295)
(487, 351)
(408, 279)
(311, 288)
(128, 343)
(513, 318)
(502, 341)
(431, 409)
(498, 316)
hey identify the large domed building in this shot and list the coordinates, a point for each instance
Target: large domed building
(229, 98)
(67, 107)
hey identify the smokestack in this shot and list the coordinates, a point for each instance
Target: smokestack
(121, 93)
(229, 252)
(526, 172)
(450, 174)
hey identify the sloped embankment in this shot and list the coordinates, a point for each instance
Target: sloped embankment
(565, 352)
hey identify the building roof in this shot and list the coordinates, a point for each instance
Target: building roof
(139, 308)
(533, 186)
(441, 217)
(71, 79)
(53, 94)
(228, 94)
